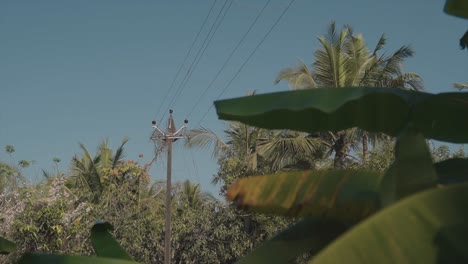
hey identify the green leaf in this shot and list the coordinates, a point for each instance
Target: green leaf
(308, 235)
(443, 117)
(452, 170)
(344, 195)
(457, 8)
(429, 227)
(321, 109)
(39, 258)
(104, 243)
(6, 246)
(412, 170)
(373, 109)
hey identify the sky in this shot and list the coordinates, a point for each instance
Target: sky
(84, 71)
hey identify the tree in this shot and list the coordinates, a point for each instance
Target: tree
(23, 163)
(8, 175)
(9, 149)
(341, 205)
(87, 170)
(191, 194)
(249, 150)
(343, 60)
(56, 162)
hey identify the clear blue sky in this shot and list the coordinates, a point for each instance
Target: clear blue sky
(83, 71)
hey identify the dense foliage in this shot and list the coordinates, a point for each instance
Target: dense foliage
(361, 206)
(55, 215)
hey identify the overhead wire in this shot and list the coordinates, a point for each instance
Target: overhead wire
(185, 59)
(214, 27)
(198, 58)
(248, 58)
(229, 58)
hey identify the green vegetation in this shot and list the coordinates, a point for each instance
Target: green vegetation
(339, 170)
(55, 216)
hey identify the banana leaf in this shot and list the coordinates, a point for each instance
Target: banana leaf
(342, 195)
(429, 227)
(372, 109)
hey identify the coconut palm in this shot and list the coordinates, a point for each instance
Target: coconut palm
(286, 149)
(87, 170)
(192, 195)
(253, 146)
(241, 142)
(9, 149)
(343, 60)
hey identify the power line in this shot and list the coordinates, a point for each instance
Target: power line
(197, 60)
(229, 57)
(248, 58)
(214, 28)
(185, 58)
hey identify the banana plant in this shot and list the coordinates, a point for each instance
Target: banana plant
(358, 216)
(6, 246)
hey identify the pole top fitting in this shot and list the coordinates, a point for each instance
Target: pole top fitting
(170, 111)
(153, 122)
(186, 121)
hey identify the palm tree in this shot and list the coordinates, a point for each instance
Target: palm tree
(241, 143)
(289, 149)
(343, 60)
(10, 150)
(87, 170)
(192, 195)
(257, 148)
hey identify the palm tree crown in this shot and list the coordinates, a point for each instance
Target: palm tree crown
(343, 60)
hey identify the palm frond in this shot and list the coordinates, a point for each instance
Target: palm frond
(460, 86)
(299, 77)
(46, 174)
(284, 150)
(323, 65)
(359, 60)
(330, 65)
(90, 171)
(119, 153)
(393, 64)
(104, 153)
(252, 162)
(409, 80)
(352, 138)
(79, 171)
(204, 138)
(380, 44)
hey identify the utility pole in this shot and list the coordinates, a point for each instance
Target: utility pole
(168, 137)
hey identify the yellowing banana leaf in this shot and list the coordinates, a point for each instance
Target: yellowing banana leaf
(309, 235)
(105, 244)
(6, 246)
(343, 195)
(429, 227)
(372, 109)
(39, 258)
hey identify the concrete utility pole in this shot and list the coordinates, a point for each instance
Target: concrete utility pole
(168, 137)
